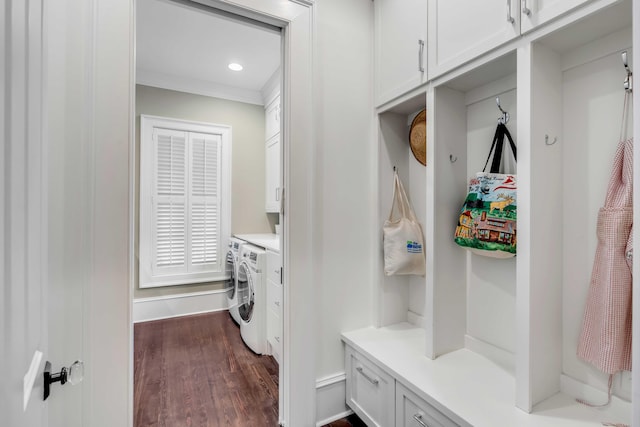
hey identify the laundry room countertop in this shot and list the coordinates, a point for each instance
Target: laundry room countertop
(267, 241)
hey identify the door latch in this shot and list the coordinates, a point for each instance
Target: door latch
(73, 375)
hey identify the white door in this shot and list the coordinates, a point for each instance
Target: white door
(64, 212)
(272, 174)
(460, 30)
(23, 298)
(65, 207)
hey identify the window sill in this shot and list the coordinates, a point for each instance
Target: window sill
(182, 279)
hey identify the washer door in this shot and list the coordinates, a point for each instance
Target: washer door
(230, 270)
(246, 293)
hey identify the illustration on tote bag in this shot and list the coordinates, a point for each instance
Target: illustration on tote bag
(488, 218)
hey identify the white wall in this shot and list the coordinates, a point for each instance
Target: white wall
(344, 129)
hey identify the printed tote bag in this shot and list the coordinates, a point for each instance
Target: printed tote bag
(488, 219)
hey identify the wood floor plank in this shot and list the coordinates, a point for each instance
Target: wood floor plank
(197, 371)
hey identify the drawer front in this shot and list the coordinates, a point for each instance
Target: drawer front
(412, 411)
(274, 334)
(274, 297)
(370, 390)
(273, 266)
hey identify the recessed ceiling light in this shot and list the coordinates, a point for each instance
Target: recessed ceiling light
(235, 66)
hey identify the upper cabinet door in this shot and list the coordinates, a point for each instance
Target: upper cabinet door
(272, 118)
(400, 47)
(272, 174)
(536, 12)
(460, 30)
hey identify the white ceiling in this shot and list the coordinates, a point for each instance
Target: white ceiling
(186, 48)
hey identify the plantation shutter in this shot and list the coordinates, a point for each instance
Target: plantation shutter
(185, 201)
(204, 201)
(169, 222)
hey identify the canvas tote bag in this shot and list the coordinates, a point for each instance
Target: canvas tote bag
(403, 239)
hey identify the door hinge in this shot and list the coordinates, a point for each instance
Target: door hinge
(281, 274)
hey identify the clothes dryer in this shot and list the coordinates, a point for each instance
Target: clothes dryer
(252, 298)
(231, 269)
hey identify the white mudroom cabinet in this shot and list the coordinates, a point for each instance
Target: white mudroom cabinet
(461, 30)
(401, 47)
(482, 341)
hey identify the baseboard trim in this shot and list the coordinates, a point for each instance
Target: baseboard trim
(416, 319)
(168, 306)
(496, 354)
(331, 392)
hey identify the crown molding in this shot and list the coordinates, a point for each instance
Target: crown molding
(198, 87)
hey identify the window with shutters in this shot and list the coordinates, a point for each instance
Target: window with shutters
(185, 205)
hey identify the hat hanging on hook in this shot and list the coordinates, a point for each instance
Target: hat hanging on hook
(418, 137)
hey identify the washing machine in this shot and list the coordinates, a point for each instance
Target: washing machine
(252, 297)
(231, 269)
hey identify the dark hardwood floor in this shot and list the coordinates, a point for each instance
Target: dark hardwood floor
(350, 421)
(196, 371)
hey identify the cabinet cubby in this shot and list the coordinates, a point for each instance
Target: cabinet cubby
(472, 299)
(401, 298)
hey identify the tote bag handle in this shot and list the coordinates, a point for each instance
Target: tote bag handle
(401, 201)
(497, 148)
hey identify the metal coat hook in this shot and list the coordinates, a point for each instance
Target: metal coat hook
(394, 169)
(628, 85)
(505, 116)
(546, 140)
(452, 159)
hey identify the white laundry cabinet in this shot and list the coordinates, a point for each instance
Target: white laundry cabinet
(274, 304)
(272, 156)
(512, 324)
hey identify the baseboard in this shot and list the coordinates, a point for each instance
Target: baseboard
(579, 390)
(416, 319)
(497, 355)
(167, 306)
(331, 392)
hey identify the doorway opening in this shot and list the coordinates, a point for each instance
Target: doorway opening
(215, 307)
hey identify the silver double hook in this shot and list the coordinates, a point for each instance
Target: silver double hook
(505, 116)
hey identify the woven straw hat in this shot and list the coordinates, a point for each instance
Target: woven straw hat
(418, 137)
